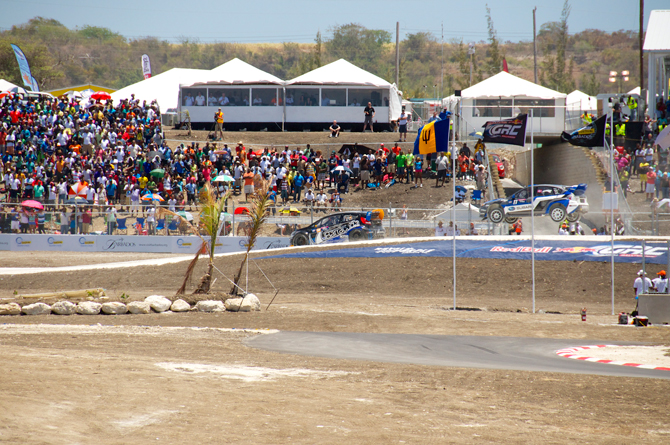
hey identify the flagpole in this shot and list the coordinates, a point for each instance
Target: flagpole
(612, 203)
(453, 210)
(532, 212)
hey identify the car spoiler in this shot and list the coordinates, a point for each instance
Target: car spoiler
(579, 189)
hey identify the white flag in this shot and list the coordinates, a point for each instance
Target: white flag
(146, 66)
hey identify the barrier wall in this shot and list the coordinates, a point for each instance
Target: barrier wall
(129, 243)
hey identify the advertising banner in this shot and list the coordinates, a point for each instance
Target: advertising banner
(507, 131)
(23, 66)
(592, 135)
(146, 66)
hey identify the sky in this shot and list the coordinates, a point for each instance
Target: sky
(258, 21)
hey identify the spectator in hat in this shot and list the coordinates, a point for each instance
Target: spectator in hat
(641, 284)
(660, 283)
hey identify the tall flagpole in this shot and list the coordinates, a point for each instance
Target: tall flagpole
(532, 204)
(612, 202)
(453, 208)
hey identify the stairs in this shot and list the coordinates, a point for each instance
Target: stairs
(497, 185)
(601, 174)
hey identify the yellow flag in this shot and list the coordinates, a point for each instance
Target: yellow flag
(427, 139)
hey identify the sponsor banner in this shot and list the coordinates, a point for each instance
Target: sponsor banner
(507, 131)
(592, 135)
(23, 67)
(548, 250)
(146, 66)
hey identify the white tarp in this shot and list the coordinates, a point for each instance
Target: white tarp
(505, 85)
(339, 72)
(163, 87)
(579, 101)
(465, 212)
(237, 72)
(6, 86)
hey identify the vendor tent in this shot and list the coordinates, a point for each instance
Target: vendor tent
(163, 87)
(6, 86)
(465, 212)
(581, 102)
(237, 72)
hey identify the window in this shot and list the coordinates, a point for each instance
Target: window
(540, 107)
(264, 97)
(302, 97)
(506, 108)
(331, 97)
(194, 97)
(229, 97)
(359, 97)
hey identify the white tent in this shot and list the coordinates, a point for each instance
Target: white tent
(164, 87)
(579, 101)
(339, 72)
(465, 212)
(635, 90)
(6, 86)
(237, 72)
(507, 85)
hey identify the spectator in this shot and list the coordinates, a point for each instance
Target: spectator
(369, 113)
(440, 230)
(334, 130)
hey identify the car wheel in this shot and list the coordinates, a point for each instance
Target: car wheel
(300, 240)
(495, 214)
(510, 220)
(574, 216)
(356, 235)
(557, 212)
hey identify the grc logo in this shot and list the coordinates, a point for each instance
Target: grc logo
(504, 130)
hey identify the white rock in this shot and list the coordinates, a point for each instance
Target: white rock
(180, 306)
(88, 308)
(36, 309)
(139, 307)
(249, 303)
(210, 306)
(114, 308)
(10, 309)
(64, 308)
(158, 303)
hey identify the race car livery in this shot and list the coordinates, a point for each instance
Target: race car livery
(339, 227)
(557, 201)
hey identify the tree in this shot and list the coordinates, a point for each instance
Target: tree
(495, 57)
(556, 72)
(361, 46)
(462, 78)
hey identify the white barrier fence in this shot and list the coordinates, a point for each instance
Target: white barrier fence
(129, 243)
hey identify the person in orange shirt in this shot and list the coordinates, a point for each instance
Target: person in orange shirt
(248, 178)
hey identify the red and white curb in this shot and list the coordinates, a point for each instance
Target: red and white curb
(574, 353)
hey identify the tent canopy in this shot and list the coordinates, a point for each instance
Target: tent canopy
(6, 86)
(339, 72)
(464, 212)
(163, 87)
(582, 101)
(657, 37)
(237, 72)
(506, 85)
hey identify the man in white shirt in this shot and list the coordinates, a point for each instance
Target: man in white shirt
(321, 200)
(440, 230)
(641, 284)
(200, 100)
(660, 284)
(441, 169)
(309, 197)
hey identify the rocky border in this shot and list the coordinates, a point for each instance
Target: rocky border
(152, 303)
(571, 353)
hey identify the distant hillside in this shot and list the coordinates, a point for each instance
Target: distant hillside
(62, 57)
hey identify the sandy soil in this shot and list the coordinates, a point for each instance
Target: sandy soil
(134, 379)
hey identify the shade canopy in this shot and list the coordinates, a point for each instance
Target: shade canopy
(657, 37)
(237, 72)
(581, 101)
(507, 85)
(339, 72)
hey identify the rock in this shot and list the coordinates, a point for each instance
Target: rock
(88, 308)
(249, 303)
(64, 308)
(114, 308)
(158, 303)
(180, 306)
(10, 309)
(36, 309)
(139, 307)
(210, 306)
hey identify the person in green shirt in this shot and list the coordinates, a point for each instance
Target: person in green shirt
(38, 192)
(409, 160)
(401, 161)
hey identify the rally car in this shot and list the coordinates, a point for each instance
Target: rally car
(500, 165)
(339, 227)
(557, 201)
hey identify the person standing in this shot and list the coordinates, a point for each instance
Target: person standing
(418, 172)
(441, 169)
(402, 126)
(660, 284)
(641, 284)
(369, 113)
(218, 119)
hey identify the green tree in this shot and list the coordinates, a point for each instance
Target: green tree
(495, 56)
(556, 72)
(361, 46)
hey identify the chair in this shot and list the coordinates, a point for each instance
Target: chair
(476, 196)
(173, 226)
(160, 224)
(139, 227)
(121, 224)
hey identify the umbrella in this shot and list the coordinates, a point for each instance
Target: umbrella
(355, 148)
(241, 211)
(289, 210)
(101, 95)
(152, 197)
(226, 216)
(76, 200)
(153, 154)
(31, 203)
(159, 172)
(341, 168)
(73, 94)
(477, 134)
(219, 152)
(18, 90)
(223, 178)
(663, 138)
(186, 215)
(78, 189)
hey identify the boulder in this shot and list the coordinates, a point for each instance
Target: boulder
(139, 307)
(114, 308)
(64, 308)
(210, 306)
(249, 303)
(180, 306)
(158, 303)
(10, 309)
(88, 308)
(36, 309)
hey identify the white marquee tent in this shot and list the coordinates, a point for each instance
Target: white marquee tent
(5, 85)
(579, 101)
(237, 72)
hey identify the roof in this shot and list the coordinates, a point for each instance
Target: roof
(339, 72)
(5, 85)
(237, 72)
(506, 85)
(582, 101)
(657, 38)
(163, 87)
(59, 91)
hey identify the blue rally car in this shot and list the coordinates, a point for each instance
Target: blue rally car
(339, 227)
(557, 201)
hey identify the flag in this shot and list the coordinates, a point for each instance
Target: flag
(23, 66)
(507, 131)
(432, 137)
(146, 66)
(33, 84)
(505, 69)
(592, 135)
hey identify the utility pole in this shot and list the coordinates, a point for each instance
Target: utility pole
(397, 54)
(642, 56)
(442, 67)
(535, 45)
(471, 51)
